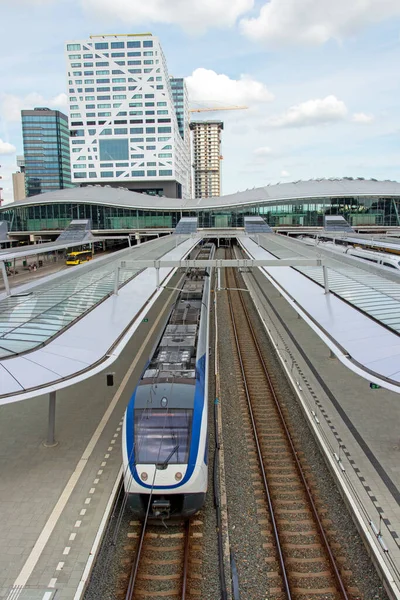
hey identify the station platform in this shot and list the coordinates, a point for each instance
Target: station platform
(53, 499)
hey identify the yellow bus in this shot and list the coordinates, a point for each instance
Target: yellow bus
(77, 258)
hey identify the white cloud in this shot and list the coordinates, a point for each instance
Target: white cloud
(192, 15)
(11, 106)
(362, 118)
(207, 86)
(315, 21)
(312, 112)
(60, 102)
(6, 148)
(7, 168)
(263, 151)
(285, 173)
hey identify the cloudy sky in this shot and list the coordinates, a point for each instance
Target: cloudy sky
(320, 78)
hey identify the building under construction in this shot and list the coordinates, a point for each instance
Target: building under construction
(207, 158)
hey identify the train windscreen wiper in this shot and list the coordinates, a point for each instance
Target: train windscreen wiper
(164, 465)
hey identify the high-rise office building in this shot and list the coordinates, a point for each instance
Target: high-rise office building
(46, 149)
(124, 125)
(180, 98)
(18, 180)
(181, 103)
(207, 158)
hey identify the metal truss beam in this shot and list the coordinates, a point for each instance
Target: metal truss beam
(237, 263)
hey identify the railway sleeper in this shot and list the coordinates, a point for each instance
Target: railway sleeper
(309, 592)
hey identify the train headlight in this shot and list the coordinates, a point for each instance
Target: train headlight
(144, 476)
(178, 476)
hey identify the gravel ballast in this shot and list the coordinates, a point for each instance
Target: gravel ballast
(244, 528)
(364, 575)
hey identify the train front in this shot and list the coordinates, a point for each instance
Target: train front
(165, 425)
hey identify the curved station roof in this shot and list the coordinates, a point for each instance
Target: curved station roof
(122, 197)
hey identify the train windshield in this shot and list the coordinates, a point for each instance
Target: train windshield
(162, 436)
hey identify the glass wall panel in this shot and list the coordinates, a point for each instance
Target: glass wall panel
(305, 212)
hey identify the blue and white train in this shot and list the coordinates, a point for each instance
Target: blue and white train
(165, 439)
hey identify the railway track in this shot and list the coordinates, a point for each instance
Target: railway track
(166, 561)
(300, 560)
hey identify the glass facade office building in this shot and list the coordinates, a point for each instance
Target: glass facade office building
(124, 127)
(301, 204)
(180, 98)
(46, 149)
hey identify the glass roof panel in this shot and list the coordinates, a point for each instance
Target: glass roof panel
(30, 320)
(368, 292)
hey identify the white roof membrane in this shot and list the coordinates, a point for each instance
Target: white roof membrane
(361, 343)
(82, 348)
(116, 196)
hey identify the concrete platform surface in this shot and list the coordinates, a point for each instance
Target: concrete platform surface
(53, 499)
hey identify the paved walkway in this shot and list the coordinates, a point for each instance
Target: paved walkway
(49, 266)
(24, 276)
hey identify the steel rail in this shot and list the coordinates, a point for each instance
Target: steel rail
(135, 567)
(217, 450)
(186, 560)
(260, 458)
(323, 536)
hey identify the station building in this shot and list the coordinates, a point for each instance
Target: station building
(300, 204)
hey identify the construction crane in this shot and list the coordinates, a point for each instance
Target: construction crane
(215, 109)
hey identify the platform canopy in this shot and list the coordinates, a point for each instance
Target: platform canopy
(79, 231)
(186, 226)
(256, 225)
(336, 223)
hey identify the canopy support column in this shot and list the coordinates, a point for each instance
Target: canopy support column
(5, 278)
(326, 280)
(116, 281)
(51, 442)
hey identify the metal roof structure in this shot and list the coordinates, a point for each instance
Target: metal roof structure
(30, 319)
(32, 249)
(256, 225)
(79, 230)
(122, 197)
(354, 321)
(364, 240)
(336, 223)
(73, 325)
(186, 226)
(356, 283)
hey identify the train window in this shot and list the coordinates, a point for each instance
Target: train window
(388, 265)
(162, 436)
